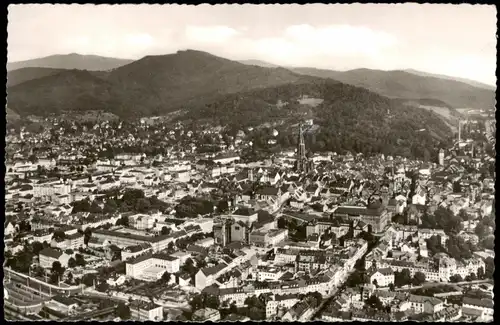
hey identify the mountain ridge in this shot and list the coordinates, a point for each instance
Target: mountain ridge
(260, 63)
(70, 61)
(201, 87)
(441, 76)
(157, 84)
(347, 118)
(19, 76)
(402, 84)
(162, 83)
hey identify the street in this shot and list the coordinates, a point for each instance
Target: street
(328, 299)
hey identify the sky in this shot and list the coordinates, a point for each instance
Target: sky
(454, 40)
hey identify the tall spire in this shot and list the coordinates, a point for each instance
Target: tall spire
(301, 151)
(459, 130)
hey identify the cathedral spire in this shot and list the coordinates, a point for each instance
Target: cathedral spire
(301, 134)
(301, 151)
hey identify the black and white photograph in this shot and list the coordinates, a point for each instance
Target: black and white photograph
(250, 162)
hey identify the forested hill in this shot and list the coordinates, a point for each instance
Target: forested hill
(402, 84)
(187, 77)
(348, 117)
(464, 80)
(210, 89)
(16, 77)
(154, 85)
(68, 90)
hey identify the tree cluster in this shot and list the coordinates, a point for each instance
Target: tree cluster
(456, 247)
(256, 307)
(191, 207)
(122, 311)
(341, 129)
(182, 243)
(402, 278)
(132, 200)
(21, 262)
(204, 300)
(297, 232)
(373, 302)
(357, 278)
(442, 218)
(190, 268)
(57, 272)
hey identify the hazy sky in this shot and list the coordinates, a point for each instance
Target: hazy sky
(456, 40)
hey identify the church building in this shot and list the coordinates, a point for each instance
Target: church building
(302, 164)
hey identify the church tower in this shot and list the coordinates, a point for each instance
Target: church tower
(301, 150)
(301, 163)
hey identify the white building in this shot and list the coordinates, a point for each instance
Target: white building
(284, 301)
(72, 241)
(483, 306)
(182, 256)
(382, 277)
(143, 310)
(423, 304)
(206, 314)
(207, 276)
(263, 273)
(428, 233)
(142, 221)
(152, 266)
(419, 198)
(48, 256)
(268, 239)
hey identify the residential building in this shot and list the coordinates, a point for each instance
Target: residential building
(382, 277)
(146, 311)
(278, 302)
(206, 314)
(206, 276)
(483, 306)
(268, 239)
(48, 256)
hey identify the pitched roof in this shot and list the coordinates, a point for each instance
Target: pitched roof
(204, 314)
(424, 299)
(486, 303)
(197, 249)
